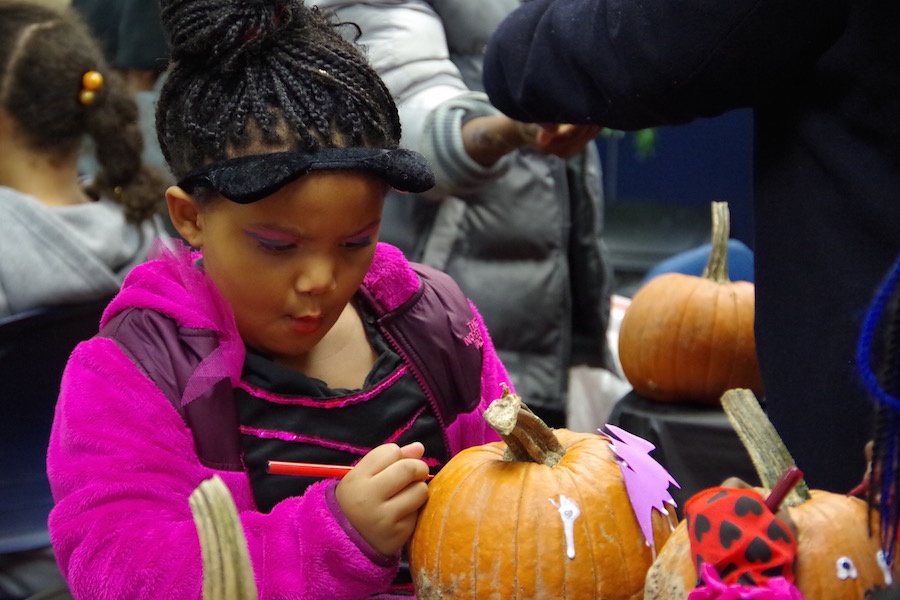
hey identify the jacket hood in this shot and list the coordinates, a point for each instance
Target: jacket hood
(171, 282)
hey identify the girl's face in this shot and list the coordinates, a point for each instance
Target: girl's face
(289, 264)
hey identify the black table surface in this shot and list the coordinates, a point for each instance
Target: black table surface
(694, 442)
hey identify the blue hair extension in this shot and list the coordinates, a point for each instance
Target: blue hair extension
(879, 342)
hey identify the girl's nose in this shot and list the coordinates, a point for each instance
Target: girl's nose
(316, 276)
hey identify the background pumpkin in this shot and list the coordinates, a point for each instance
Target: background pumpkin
(492, 527)
(836, 556)
(690, 338)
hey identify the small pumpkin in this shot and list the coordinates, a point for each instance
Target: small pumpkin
(690, 338)
(837, 558)
(543, 514)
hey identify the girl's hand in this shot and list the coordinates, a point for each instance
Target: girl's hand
(382, 495)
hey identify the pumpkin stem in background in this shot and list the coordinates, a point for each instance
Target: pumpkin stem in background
(717, 265)
(770, 456)
(527, 437)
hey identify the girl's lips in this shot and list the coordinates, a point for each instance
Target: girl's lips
(306, 324)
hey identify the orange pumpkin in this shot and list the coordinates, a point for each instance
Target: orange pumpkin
(544, 514)
(690, 338)
(837, 557)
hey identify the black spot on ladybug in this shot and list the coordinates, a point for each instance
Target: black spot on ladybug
(726, 571)
(775, 571)
(758, 550)
(698, 561)
(728, 534)
(747, 579)
(716, 497)
(746, 505)
(702, 526)
(777, 532)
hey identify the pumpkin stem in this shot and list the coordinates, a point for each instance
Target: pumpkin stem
(717, 265)
(227, 572)
(770, 456)
(527, 437)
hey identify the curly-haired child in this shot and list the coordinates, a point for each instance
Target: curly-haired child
(64, 238)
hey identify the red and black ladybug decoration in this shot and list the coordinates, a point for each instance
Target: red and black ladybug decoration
(734, 530)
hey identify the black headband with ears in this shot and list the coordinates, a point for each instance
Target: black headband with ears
(247, 179)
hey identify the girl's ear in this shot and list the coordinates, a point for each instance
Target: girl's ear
(185, 216)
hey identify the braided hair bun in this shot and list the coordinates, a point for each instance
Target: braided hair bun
(249, 76)
(221, 35)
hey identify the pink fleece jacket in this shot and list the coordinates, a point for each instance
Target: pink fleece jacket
(122, 464)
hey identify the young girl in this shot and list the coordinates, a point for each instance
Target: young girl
(64, 239)
(288, 334)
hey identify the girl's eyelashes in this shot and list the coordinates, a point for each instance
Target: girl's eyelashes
(362, 241)
(274, 242)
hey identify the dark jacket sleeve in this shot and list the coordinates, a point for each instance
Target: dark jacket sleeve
(629, 64)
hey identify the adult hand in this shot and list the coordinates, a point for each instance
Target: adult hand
(565, 140)
(488, 139)
(382, 495)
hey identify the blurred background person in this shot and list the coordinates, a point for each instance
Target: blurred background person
(823, 79)
(67, 239)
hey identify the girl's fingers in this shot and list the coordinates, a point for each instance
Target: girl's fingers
(401, 475)
(413, 450)
(391, 467)
(377, 460)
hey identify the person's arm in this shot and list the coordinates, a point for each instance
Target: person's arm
(122, 466)
(629, 65)
(406, 42)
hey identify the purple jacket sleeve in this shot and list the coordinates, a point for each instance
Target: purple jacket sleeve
(471, 429)
(628, 65)
(122, 466)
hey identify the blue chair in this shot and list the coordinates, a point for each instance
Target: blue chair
(34, 348)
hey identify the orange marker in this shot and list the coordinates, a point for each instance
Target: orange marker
(301, 469)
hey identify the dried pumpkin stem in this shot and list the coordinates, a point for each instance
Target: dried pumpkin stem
(227, 572)
(717, 265)
(527, 437)
(770, 456)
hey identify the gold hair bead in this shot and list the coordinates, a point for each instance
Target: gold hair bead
(87, 97)
(91, 81)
